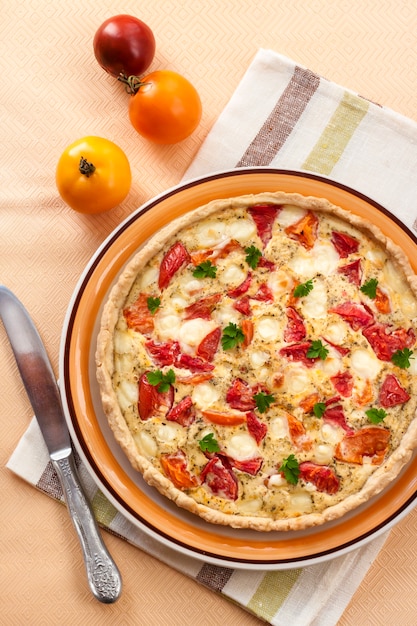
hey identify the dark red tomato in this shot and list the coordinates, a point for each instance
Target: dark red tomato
(124, 45)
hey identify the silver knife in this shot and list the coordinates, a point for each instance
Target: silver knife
(42, 388)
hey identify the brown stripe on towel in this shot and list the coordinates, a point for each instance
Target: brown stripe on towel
(214, 576)
(281, 121)
(49, 482)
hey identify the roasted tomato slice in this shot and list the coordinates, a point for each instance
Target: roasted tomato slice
(391, 392)
(307, 403)
(298, 433)
(298, 352)
(356, 315)
(207, 348)
(174, 259)
(151, 401)
(382, 302)
(370, 441)
(263, 294)
(220, 479)
(343, 383)
(322, 477)
(256, 428)
(138, 317)
(305, 230)
(202, 308)
(240, 395)
(240, 289)
(223, 418)
(163, 353)
(344, 244)
(243, 305)
(352, 271)
(335, 416)
(249, 466)
(183, 412)
(247, 330)
(193, 363)
(175, 468)
(264, 216)
(385, 341)
(295, 329)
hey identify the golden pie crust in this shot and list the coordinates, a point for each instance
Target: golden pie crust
(265, 499)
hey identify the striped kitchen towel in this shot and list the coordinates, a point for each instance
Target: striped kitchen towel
(295, 120)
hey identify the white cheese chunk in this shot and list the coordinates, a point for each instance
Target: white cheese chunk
(300, 503)
(210, 233)
(242, 230)
(167, 325)
(268, 328)
(259, 358)
(204, 395)
(321, 259)
(124, 342)
(413, 364)
(276, 480)
(250, 506)
(336, 333)
(149, 276)
(296, 379)
(314, 305)
(332, 434)
(232, 276)
(365, 363)
(278, 427)
(146, 444)
(192, 332)
(290, 214)
(241, 447)
(323, 453)
(171, 433)
(280, 282)
(226, 314)
(189, 284)
(127, 394)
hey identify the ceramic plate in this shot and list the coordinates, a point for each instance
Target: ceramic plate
(124, 487)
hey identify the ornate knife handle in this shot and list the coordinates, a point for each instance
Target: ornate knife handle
(103, 576)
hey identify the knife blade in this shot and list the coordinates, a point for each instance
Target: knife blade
(41, 386)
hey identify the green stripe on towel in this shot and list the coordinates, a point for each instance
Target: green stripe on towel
(337, 134)
(272, 592)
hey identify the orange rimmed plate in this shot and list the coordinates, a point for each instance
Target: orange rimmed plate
(125, 488)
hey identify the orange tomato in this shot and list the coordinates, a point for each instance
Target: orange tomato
(93, 175)
(165, 107)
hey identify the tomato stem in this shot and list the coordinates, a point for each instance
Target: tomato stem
(133, 83)
(86, 168)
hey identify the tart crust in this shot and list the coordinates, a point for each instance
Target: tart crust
(379, 479)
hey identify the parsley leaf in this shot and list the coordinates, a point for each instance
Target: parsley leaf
(153, 304)
(303, 289)
(317, 349)
(263, 401)
(232, 336)
(401, 358)
(291, 469)
(209, 443)
(319, 408)
(206, 269)
(375, 415)
(253, 255)
(160, 380)
(369, 288)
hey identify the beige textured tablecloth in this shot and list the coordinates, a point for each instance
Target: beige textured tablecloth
(52, 93)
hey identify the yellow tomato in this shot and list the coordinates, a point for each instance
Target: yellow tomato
(93, 175)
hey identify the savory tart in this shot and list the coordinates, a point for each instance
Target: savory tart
(256, 361)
